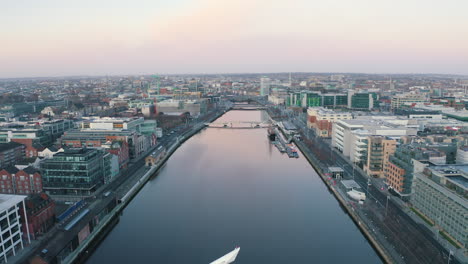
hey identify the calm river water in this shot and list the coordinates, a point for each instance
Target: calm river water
(230, 187)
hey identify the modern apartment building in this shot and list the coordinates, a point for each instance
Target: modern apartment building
(15, 181)
(400, 167)
(344, 140)
(10, 226)
(379, 150)
(440, 193)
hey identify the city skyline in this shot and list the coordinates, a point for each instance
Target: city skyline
(196, 37)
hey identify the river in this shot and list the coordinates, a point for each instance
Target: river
(230, 187)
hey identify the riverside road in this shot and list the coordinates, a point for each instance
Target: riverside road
(411, 240)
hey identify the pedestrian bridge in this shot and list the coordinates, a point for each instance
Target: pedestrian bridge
(239, 125)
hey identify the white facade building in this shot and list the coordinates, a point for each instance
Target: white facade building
(344, 140)
(276, 100)
(110, 123)
(358, 145)
(408, 98)
(10, 225)
(322, 113)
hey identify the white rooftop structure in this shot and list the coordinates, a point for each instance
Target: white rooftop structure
(10, 219)
(7, 201)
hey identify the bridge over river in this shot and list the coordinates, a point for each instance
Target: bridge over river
(239, 125)
(248, 107)
(225, 188)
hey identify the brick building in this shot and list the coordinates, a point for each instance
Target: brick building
(40, 211)
(25, 181)
(120, 149)
(31, 148)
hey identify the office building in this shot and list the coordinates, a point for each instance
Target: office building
(344, 140)
(11, 153)
(364, 101)
(76, 172)
(332, 100)
(407, 99)
(321, 120)
(177, 107)
(137, 143)
(111, 123)
(440, 194)
(400, 167)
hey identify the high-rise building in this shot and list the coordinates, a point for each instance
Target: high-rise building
(264, 86)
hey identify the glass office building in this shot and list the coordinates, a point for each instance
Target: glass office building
(73, 172)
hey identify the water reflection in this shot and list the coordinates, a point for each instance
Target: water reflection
(229, 187)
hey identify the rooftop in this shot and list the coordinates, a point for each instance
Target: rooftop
(289, 126)
(460, 180)
(110, 119)
(74, 152)
(350, 184)
(9, 145)
(7, 201)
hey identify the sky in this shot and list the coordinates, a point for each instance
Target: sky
(113, 37)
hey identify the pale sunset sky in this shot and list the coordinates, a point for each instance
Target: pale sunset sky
(108, 37)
